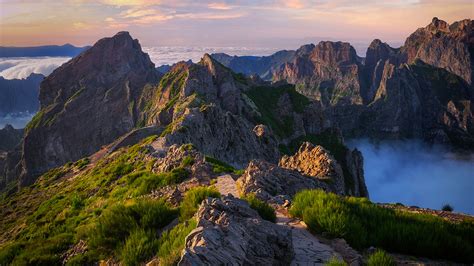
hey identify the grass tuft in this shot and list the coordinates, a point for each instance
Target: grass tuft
(264, 209)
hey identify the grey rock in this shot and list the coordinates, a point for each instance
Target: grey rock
(230, 232)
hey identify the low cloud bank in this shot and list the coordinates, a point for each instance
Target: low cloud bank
(413, 173)
(162, 55)
(22, 67)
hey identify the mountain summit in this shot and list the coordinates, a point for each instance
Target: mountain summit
(86, 103)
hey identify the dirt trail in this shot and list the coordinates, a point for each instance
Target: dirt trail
(308, 249)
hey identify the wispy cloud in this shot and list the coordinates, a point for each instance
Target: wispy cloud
(219, 6)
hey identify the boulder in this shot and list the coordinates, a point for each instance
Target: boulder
(230, 232)
(272, 183)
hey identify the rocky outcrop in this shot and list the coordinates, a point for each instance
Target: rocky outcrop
(230, 232)
(223, 135)
(445, 46)
(315, 161)
(377, 55)
(86, 103)
(329, 72)
(272, 183)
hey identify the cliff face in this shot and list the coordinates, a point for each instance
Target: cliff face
(445, 46)
(329, 72)
(86, 103)
(420, 90)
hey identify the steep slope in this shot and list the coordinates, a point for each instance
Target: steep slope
(86, 103)
(329, 72)
(445, 46)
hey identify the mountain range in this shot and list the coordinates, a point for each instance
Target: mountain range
(47, 50)
(125, 164)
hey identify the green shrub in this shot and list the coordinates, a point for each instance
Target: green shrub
(145, 181)
(138, 247)
(365, 224)
(187, 161)
(193, 198)
(117, 222)
(264, 210)
(45, 252)
(266, 99)
(380, 258)
(77, 202)
(335, 262)
(9, 252)
(172, 243)
(222, 167)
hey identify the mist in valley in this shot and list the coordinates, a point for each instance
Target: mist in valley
(416, 174)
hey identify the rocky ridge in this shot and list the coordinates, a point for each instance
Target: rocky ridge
(99, 89)
(421, 90)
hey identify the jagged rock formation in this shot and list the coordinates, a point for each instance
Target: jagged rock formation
(20, 95)
(223, 135)
(421, 90)
(445, 46)
(86, 103)
(317, 162)
(230, 232)
(272, 183)
(329, 72)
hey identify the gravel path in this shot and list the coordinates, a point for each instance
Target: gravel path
(308, 249)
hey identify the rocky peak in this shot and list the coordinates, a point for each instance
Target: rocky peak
(305, 49)
(100, 89)
(334, 53)
(317, 162)
(110, 59)
(378, 50)
(437, 25)
(443, 46)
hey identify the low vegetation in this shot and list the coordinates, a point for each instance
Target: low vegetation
(219, 167)
(193, 198)
(380, 258)
(264, 210)
(335, 262)
(172, 242)
(103, 205)
(266, 99)
(365, 224)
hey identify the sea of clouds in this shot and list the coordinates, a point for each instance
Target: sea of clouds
(169, 55)
(414, 173)
(22, 67)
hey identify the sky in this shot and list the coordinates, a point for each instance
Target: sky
(250, 23)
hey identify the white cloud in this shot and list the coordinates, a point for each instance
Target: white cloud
(22, 67)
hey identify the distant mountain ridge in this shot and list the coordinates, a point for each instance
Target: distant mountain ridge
(47, 50)
(422, 90)
(20, 95)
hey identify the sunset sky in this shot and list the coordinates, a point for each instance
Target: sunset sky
(220, 23)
